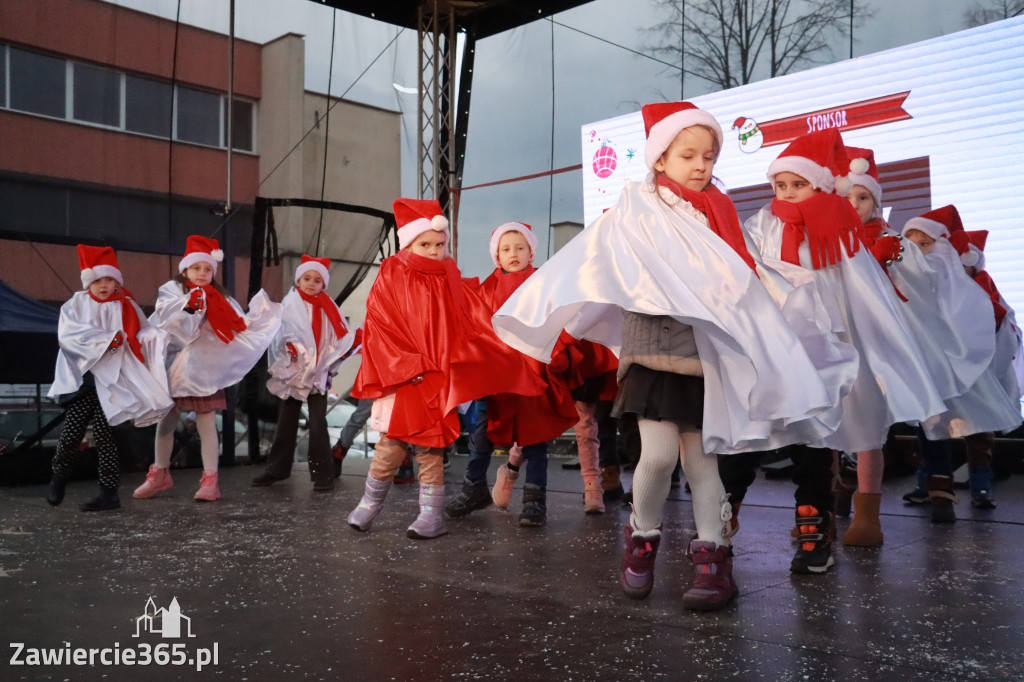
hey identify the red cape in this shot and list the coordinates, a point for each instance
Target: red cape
(986, 282)
(517, 418)
(428, 339)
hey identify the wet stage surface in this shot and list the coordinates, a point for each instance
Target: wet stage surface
(285, 590)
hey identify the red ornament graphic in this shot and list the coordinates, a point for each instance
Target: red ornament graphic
(605, 161)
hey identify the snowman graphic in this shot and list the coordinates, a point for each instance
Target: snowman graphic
(750, 137)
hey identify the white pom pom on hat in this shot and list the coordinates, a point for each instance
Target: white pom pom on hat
(416, 216)
(96, 262)
(818, 157)
(864, 172)
(199, 249)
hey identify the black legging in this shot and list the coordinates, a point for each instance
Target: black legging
(78, 414)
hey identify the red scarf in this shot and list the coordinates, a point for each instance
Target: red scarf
(826, 221)
(720, 212)
(322, 302)
(219, 313)
(986, 282)
(450, 270)
(129, 319)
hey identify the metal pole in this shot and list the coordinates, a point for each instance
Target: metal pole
(851, 29)
(231, 100)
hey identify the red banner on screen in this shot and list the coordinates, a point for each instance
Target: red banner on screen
(870, 112)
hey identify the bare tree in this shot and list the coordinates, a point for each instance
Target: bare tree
(734, 42)
(994, 10)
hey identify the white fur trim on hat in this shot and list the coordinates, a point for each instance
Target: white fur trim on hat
(932, 228)
(316, 267)
(408, 232)
(90, 275)
(522, 229)
(664, 131)
(867, 182)
(213, 258)
(819, 176)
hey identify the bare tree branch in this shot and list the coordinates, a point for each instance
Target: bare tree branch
(734, 42)
(979, 13)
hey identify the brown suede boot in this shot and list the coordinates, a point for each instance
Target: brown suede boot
(865, 529)
(940, 492)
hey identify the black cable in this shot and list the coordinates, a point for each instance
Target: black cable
(327, 132)
(170, 126)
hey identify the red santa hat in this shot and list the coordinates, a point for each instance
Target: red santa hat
(521, 228)
(201, 250)
(864, 172)
(970, 244)
(818, 157)
(663, 121)
(416, 216)
(321, 265)
(938, 223)
(96, 262)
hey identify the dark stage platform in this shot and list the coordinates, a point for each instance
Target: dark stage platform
(275, 583)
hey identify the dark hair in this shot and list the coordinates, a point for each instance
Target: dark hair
(182, 279)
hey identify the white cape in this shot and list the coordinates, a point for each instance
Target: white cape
(895, 383)
(126, 388)
(985, 405)
(762, 391)
(198, 362)
(297, 379)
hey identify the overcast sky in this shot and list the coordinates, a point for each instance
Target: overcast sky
(511, 123)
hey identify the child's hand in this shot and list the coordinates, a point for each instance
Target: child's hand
(887, 249)
(195, 301)
(116, 343)
(292, 351)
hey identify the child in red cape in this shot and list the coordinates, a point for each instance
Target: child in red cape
(427, 347)
(510, 419)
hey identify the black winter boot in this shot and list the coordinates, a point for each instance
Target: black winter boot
(475, 495)
(106, 500)
(55, 493)
(535, 508)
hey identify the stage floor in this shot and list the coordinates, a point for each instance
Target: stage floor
(275, 583)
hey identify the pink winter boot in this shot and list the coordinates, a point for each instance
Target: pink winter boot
(208, 491)
(158, 479)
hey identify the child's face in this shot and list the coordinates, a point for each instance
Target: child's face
(793, 188)
(690, 159)
(863, 202)
(923, 240)
(430, 244)
(310, 283)
(513, 252)
(103, 288)
(200, 274)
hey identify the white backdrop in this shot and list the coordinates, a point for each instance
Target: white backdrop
(966, 114)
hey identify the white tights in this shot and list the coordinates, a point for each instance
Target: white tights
(660, 444)
(206, 425)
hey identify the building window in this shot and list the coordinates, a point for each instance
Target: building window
(198, 116)
(3, 76)
(96, 95)
(38, 83)
(147, 106)
(242, 113)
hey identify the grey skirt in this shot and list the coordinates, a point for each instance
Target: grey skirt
(664, 396)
